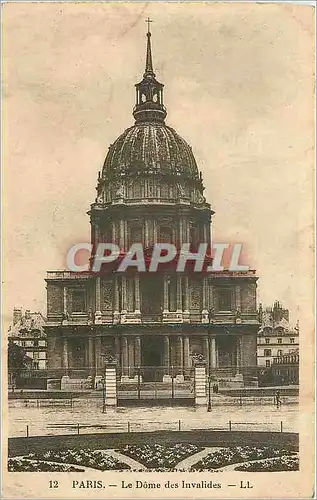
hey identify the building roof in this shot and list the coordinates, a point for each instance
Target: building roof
(31, 324)
(150, 145)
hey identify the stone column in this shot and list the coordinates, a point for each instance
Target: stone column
(180, 349)
(121, 237)
(117, 349)
(186, 315)
(131, 356)
(166, 356)
(137, 350)
(200, 384)
(204, 313)
(114, 232)
(186, 354)
(211, 299)
(91, 355)
(126, 235)
(65, 353)
(98, 318)
(179, 306)
(97, 291)
(124, 353)
(165, 306)
(238, 355)
(146, 233)
(213, 353)
(154, 231)
(116, 313)
(180, 231)
(137, 293)
(124, 294)
(65, 301)
(98, 357)
(65, 377)
(187, 231)
(111, 385)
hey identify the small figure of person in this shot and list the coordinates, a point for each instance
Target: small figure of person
(278, 399)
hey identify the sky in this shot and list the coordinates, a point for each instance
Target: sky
(238, 87)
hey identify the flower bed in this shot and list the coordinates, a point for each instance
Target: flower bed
(277, 464)
(23, 465)
(234, 455)
(98, 460)
(160, 456)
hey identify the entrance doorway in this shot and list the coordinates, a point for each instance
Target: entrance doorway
(151, 288)
(152, 358)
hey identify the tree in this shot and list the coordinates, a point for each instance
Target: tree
(17, 360)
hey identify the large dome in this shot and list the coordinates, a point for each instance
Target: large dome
(150, 147)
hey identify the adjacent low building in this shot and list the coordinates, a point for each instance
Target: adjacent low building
(285, 368)
(27, 331)
(277, 336)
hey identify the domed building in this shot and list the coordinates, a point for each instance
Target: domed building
(150, 191)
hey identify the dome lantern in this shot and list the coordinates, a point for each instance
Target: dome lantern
(149, 92)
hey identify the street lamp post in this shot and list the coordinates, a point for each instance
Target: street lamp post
(103, 381)
(209, 393)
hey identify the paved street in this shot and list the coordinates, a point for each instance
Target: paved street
(64, 420)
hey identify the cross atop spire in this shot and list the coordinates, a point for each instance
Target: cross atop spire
(149, 92)
(148, 21)
(149, 63)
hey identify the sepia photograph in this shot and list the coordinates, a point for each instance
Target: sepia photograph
(158, 249)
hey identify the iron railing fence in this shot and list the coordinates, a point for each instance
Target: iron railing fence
(129, 426)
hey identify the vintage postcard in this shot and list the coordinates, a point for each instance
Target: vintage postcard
(158, 236)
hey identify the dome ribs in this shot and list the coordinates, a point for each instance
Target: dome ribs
(150, 147)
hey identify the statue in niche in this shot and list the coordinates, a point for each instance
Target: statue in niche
(181, 191)
(90, 315)
(120, 192)
(107, 297)
(211, 314)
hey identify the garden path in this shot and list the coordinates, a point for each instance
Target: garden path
(193, 459)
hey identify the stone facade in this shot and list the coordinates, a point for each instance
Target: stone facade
(149, 191)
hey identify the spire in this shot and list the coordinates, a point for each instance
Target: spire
(149, 92)
(149, 63)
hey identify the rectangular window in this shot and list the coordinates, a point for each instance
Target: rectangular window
(292, 341)
(279, 352)
(267, 341)
(35, 343)
(267, 352)
(224, 300)
(36, 355)
(79, 301)
(267, 363)
(279, 341)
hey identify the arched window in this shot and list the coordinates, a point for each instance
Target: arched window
(135, 235)
(165, 234)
